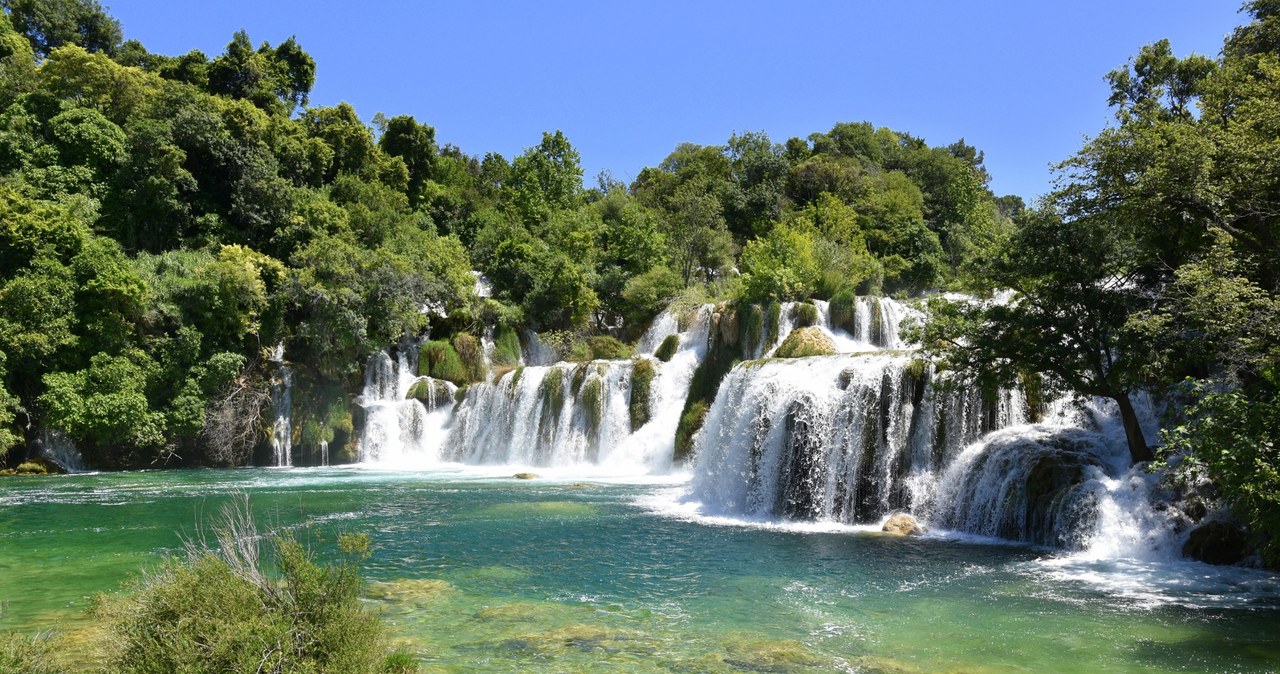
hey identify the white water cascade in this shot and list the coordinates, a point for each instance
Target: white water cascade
(406, 416)
(594, 414)
(847, 438)
(617, 416)
(282, 407)
(854, 437)
(58, 448)
(875, 323)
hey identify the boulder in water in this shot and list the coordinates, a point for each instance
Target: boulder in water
(431, 392)
(524, 476)
(1218, 543)
(902, 524)
(802, 342)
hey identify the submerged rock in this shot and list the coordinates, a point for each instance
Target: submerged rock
(802, 342)
(902, 524)
(1218, 543)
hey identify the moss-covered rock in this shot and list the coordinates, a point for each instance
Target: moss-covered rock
(471, 352)
(728, 327)
(804, 342)
(438, 359)
(773, 315)
(804, 314)
(506, 346)
(551, 391)
(668, 348)
(844, 311)
(642, 374)
(902, 524)
(524, 476)
(751, 326)
(690, 423)
(592, 397)
(430, 392)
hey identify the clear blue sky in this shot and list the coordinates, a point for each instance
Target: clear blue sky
(1021, 80)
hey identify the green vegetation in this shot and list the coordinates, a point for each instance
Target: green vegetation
(506, 346)
(805, 314)
(668, 348)
(642, 374)
(1152, 268)
(438, 359)
(26, 654)
(690, 422)
(231, 609)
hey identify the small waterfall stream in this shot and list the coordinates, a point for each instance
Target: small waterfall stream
(282, 408)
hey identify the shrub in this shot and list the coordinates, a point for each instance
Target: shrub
(604, 347)
(221, 611)
(23, 654)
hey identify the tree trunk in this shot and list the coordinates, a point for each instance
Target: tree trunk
(1138, 449)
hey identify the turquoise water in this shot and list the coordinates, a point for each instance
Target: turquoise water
(487, 573)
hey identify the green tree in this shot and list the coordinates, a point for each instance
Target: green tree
(545, 179)
(50, 24)
(415, 143)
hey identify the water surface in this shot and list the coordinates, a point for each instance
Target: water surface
(486, 573)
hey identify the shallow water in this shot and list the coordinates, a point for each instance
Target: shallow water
(486, 573)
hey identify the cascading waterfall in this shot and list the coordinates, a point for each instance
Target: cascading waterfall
(282, 407)
(876, 323)
(846, 438)
(853, 437)
(599, 413)
(618, 416)
(406, 416)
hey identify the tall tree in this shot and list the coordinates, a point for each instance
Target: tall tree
(49, 24)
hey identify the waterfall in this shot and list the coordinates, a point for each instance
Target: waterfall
(618, 416)
(846, 438)
(59, 449)
(282, 407)
(406, 416)
(874, 323)
(853, 437)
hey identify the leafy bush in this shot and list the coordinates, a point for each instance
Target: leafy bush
(221, 611)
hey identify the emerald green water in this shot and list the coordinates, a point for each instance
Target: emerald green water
(492, 574)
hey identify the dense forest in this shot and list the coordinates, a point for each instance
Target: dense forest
(167, 221)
